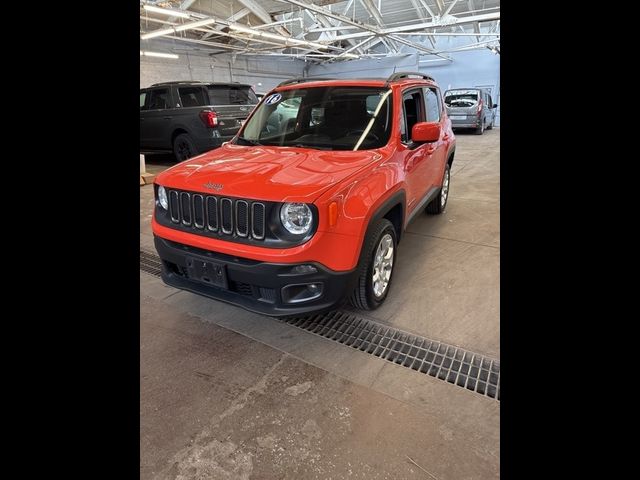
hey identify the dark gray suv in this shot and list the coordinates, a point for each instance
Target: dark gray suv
(189, 118)
(470, 108)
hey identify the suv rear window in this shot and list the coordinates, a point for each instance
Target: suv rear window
(231, 95)
(192, 96)
(461, 98)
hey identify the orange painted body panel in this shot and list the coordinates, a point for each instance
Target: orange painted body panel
(359, 182)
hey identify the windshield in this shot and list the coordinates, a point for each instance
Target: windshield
(231, 95)
(461, 98)
(331, 118)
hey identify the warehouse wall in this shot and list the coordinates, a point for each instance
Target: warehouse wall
(474, 68)
(219, 68)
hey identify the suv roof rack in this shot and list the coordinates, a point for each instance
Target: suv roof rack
(400, 75)
(303, 80)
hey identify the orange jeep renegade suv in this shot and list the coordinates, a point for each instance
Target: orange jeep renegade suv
(306, 205)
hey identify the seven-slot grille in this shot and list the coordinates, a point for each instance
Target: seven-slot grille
(229, 216)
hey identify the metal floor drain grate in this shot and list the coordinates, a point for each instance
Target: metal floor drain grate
(451, 364)
(455, 365)
(150, 263)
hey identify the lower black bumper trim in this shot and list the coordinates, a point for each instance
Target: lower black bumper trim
(254, 286)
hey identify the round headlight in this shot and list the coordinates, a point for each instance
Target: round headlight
(162, 197)
(296, 217)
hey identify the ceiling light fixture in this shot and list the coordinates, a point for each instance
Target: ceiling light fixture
(164, 11)
(178, 28)
(158, 54)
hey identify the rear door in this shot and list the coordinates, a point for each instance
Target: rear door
(155, 121)
(462, 104)
(233, 104)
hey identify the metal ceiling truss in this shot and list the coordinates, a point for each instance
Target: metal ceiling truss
(319, 33)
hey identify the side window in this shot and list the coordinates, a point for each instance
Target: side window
(158, 99)
(412, 113)
(143, 97)
(192, 96)
(432, 103)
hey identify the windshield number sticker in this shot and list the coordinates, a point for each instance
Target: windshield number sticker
(273, 99)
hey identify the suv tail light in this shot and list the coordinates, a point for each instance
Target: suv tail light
(209, 118)
(479, 106)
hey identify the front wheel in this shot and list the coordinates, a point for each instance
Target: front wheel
(376, 269)
(183, 147)
(438, 204)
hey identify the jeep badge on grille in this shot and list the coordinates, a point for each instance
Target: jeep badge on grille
(213, 186)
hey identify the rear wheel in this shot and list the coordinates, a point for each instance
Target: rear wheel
(376, 269)
(480, 129)
(438, 204)
(183, 147)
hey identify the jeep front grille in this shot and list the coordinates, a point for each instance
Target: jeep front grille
(226, 216)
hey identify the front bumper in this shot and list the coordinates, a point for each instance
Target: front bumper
(253, 285)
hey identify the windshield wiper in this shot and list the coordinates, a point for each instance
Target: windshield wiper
(248, 142)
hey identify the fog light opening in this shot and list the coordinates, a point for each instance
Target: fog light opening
(301, 292)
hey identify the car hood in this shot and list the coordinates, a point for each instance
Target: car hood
(266, 173)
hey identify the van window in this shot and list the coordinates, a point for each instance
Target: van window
(231, 95)
(461, 98)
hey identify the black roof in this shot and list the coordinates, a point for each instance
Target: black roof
(190, 82)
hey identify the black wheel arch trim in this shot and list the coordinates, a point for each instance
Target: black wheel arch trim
(398, 198)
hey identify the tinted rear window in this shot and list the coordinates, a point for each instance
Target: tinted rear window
(231, 95)
(192, 96)
(461, 98)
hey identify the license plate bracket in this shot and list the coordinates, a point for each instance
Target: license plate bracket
(207, 272)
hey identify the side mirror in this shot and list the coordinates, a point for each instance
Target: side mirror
(425, 132)
(495, 105)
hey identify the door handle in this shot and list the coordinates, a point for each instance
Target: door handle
(430, 150)
(446, 136)
(168, 118)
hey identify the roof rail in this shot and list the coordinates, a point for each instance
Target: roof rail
(400, 75)
(302, 80)
(190, 82)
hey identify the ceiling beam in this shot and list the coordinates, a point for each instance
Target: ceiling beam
(263, 15)
(233, 18)
(416, 6)
(476, 25)
(377, 16)
(487, 17)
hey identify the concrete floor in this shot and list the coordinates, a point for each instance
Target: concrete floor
(227, 394)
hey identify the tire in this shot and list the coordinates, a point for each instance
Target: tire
(365, 296)
(438, 204)
(183, 147)
(480, 129)
(490, 127)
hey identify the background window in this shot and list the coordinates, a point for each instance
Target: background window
(192, 96)
(433, 105)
